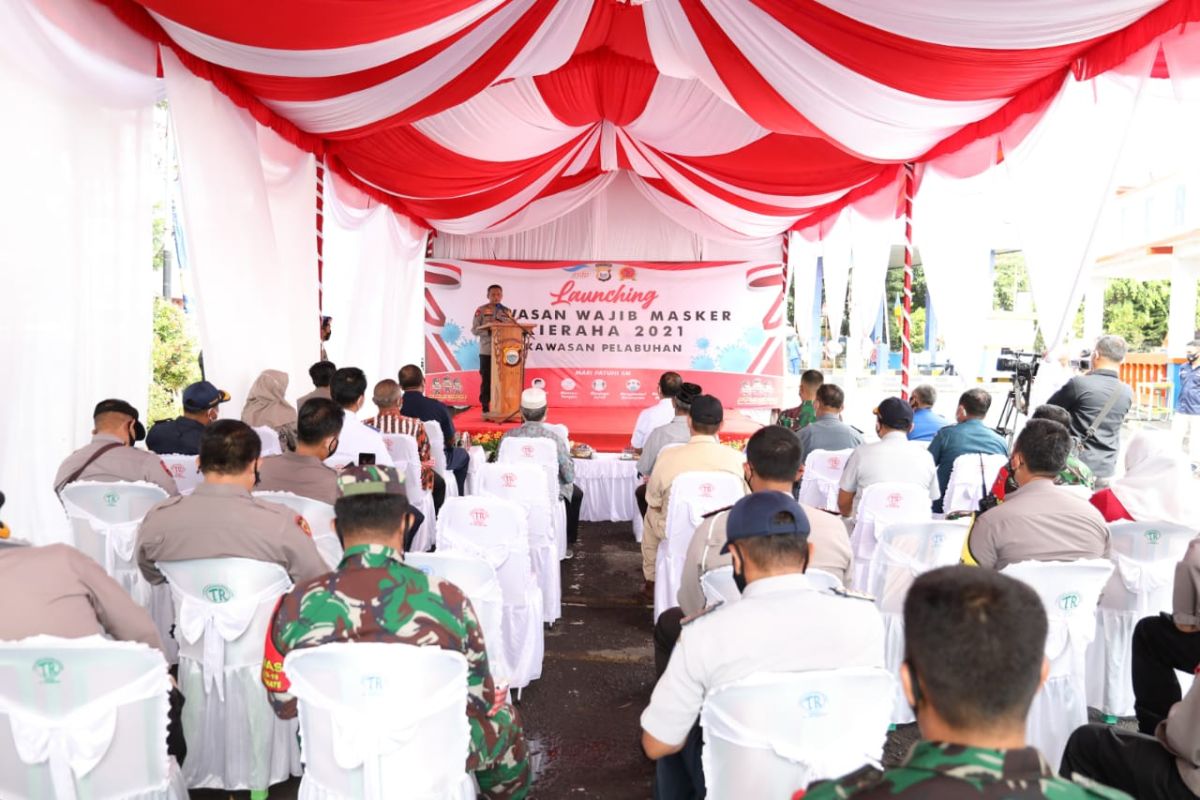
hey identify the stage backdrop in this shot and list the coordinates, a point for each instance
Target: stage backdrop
(605, 331)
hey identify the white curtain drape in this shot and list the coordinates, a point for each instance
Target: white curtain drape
(249, 209)
(75, 254)
(374, 281)
(802, 267)
(872, 250)
(835, 269)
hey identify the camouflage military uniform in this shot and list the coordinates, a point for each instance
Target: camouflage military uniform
(798, 417)
(934, 770)
(374, 597)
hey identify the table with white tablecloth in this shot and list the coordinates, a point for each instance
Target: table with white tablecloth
(607, 482)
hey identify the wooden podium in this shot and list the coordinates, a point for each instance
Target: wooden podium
(508, 370)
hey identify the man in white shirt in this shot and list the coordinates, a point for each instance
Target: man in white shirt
(783, 623)
(349, 389)
(658, 414)
(892, 458)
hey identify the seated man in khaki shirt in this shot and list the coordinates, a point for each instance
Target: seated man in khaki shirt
(111, 455)
(1040, 521)
(302, 472)
(221, 519)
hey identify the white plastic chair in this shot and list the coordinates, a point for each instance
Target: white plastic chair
(1069, 591)
(904, 551)
(692, 495)
(971, 477)
(544, 453)
(524, 484)
(403, 450)
(185, 470)
(718, 586)
(477, 579)
(882, 505)
(319, 517)
(381, 720)
(437, 447)
(1145, 555)
(496, 531)
(822, 474)
(270, 440)
(84, 718)
(835, 722)
(224, 608)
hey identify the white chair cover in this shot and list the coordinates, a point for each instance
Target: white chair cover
(1069, 591)
(319, 517)
(525, 485)
(1145, 555)
(496, 531)
(836, 722)
(693, 494)
(403, 450)
(904, 551)
(881, 505)
(224, 608)
(185, 470)
(84, 718)
(270, 440)
(543, 453)
(718, 586)
(562, 432)
(437, 447)
(381, 720)
(822, 474)
(477, 579)
(476, 457)
(971, 477)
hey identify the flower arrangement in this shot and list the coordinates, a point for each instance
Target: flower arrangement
(736, 444)
(489, 441)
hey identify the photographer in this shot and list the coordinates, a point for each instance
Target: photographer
(1186, 422)
(1098, 402)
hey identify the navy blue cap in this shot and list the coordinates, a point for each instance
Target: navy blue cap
(202, 396)
(895, 413)
(754, 515)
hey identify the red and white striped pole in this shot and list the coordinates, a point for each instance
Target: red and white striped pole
(906, 324)
(320, 239)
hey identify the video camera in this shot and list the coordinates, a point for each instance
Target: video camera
(1018, 362)
(1084, 362)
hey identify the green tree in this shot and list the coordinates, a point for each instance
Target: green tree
(1137, 310)
(172, 360)
(894, 286)
(1009, 276)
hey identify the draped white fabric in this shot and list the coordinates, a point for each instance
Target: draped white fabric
(76, 250)
(802, 272)
(835, 269)
(374, 283)
(249, 208)
(872, 245)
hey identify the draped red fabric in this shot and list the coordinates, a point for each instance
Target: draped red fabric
(617, 27)
(597, 86)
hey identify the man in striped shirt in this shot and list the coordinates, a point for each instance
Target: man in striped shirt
(386, 398)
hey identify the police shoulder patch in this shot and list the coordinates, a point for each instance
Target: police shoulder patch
(704, 613)
(302, 524)
(841, 592)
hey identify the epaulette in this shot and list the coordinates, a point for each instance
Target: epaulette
(714, 513)
(170, 501)
(704, 613)
(851, 593)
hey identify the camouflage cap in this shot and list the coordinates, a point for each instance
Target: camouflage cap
(370, 479)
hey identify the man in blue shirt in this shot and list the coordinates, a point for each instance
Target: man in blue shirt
(1186, 422)
(925, 422)
(416, 404)
(970, 435)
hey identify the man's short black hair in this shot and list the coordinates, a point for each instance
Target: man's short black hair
(668, 384)
(318, 420)
(1054, 414)
(410, 377)
(975, 402)
(228, 447)
(831, 395)
(360, 515)
(1045, 445)
(774, 453)
(322, 373)
(779, 550)
(812, 378)
(975, 640)
(348, 384)
(495, 286)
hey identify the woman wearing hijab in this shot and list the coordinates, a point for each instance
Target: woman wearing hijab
(266, 405)
(1156, 486)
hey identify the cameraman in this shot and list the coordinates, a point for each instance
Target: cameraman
(1098, 402)
(1187, 411)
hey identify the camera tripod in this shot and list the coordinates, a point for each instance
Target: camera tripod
(1015, 405)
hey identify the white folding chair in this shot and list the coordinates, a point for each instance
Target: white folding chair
(185, 470)
(382, 720)
(319, 517)
(270, 440)
(224, 608)
(544, 453)
(1145, 555)
(84, 718)
(403, 450)
(496, 531)
(1069, 591)
(882, 505)
(525, 485)
(822, 474)
(692, 495)
(437, 447)
(835, 722)
(718, 586)
(971, 477)
(904, 551)
(477, 579)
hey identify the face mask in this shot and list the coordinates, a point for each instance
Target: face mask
(739, 580)
(257, 477)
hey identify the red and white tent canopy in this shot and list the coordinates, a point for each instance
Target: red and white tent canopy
(739, 118)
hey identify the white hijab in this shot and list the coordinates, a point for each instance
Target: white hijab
(1157, 481)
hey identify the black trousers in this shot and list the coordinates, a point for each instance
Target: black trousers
(439, 491)
(681, 776)
(573, 507)
(1159, 648)
(485, 381)
(666, 634)
(1132, 762)
(639, 497)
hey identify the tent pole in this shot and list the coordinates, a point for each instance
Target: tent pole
(906, 324)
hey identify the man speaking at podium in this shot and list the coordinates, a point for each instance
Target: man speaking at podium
(491, 311)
